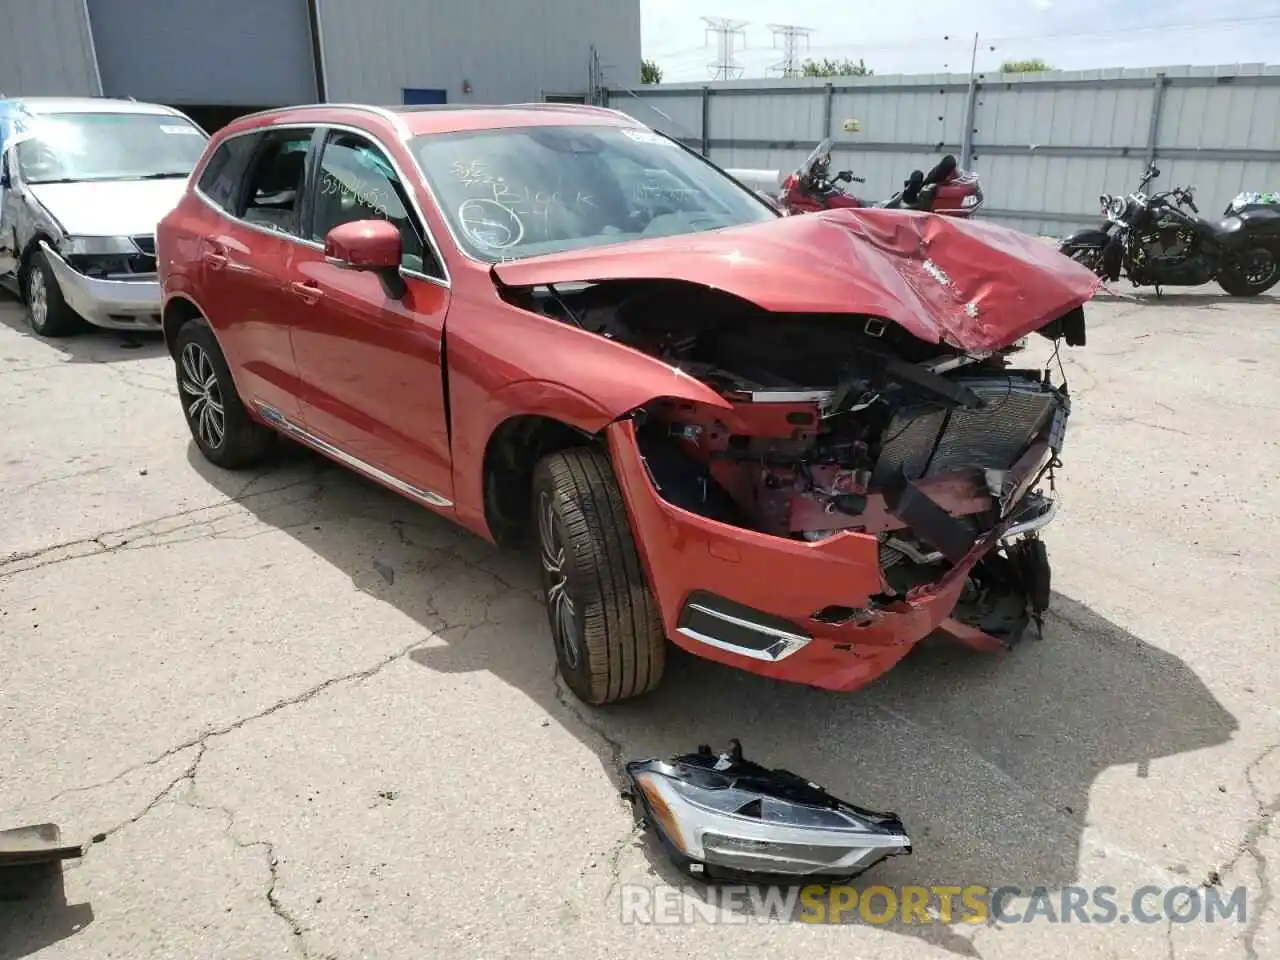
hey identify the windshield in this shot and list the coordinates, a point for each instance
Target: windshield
(524, 191)
(70, 147)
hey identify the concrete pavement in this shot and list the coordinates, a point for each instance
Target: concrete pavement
(312, 719)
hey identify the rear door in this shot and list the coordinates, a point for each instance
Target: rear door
(371, 363)
(245, 258)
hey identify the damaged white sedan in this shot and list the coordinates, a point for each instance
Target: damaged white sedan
(83, 183)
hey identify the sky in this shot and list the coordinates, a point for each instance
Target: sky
(936, 36)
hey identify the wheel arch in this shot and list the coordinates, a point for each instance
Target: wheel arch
(178, 311)
(513, 449)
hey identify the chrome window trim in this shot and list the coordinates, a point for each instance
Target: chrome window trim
(287, 426)
(446, 281)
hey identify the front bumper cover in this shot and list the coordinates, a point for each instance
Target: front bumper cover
(748, 599)
(113, 304)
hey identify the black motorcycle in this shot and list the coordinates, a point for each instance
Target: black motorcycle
(1155, 242)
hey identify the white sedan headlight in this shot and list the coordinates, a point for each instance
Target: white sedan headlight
(97, 246)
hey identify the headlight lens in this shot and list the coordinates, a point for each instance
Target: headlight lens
(98, 246)
(1116, 207)
(718, 823)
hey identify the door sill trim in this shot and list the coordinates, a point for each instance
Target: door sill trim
(291, 429)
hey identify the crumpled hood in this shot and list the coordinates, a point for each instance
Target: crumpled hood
(110, 208)
(974, 285)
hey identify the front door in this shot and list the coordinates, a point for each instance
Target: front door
(8, 216)
(371, 363)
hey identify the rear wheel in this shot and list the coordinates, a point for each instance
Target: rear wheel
(219, 423)
(608, 636)
(1090, 257)
(47, 311)
(1251, 273)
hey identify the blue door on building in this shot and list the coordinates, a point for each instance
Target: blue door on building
(419, 95)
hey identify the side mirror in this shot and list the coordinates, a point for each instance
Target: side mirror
(370, 245)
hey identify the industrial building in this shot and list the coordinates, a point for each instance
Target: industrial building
(216, 59)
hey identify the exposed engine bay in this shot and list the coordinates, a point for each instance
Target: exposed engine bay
(845, 423)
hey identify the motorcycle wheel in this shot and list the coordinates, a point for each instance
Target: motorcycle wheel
(1252, 272)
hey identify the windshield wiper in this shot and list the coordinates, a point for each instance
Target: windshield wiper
(167, 175)
(36, 183)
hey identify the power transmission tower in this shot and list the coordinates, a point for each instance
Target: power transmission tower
(791, 37)
(726, 31)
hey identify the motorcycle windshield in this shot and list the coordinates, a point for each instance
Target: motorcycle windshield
(820, 152)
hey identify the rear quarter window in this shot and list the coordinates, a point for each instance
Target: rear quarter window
(225, 169)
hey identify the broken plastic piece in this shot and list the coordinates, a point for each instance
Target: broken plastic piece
(38, 843)
(722, 817)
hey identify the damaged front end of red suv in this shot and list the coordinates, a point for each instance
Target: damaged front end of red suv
(872, 464)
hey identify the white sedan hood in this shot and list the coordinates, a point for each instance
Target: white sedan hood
(110, 208)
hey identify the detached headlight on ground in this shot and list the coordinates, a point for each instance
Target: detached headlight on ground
(723, 817)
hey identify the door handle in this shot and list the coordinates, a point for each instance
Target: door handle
(214, 260)
(308, 291)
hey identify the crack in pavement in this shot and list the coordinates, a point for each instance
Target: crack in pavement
(201, 741)
(1248, 847)
(112, 540)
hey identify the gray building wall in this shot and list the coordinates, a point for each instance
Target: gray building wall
(509, 50)
(1045, 145)
(225, 52)
(45, 49)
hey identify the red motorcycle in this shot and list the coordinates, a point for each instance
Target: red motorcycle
(946, 189)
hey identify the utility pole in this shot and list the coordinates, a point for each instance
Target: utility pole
(791, 37)
(966, 143)
(726, 31)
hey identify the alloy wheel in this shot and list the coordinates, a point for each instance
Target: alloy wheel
(202, 396)
(1259, 268)
(38, 298)
(564, 619)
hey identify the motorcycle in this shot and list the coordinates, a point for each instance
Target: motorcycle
(1155, 242)
(1251, 200)
(946, 189)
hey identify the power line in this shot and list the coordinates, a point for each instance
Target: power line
(726, 31)
(1114, 33)
(791, 37)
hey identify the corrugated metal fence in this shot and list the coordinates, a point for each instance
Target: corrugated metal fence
(1046, 145)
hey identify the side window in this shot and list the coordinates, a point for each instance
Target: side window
(225, 168)
(272, 192)
(357, 182)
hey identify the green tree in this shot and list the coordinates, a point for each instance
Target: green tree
(835, 68)
(650, 72)
(1034, 65)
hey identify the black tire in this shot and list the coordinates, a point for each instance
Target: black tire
(47, 311)
(1255, 272)
(204, 384)
(609, 641)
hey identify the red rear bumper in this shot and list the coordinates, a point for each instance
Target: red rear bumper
(784, 583)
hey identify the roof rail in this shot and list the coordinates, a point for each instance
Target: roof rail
(380, 112)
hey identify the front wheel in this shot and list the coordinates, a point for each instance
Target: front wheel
(47, 310)
(1251, 273)
(608, 636)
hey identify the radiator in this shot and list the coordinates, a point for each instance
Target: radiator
(930, 442)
